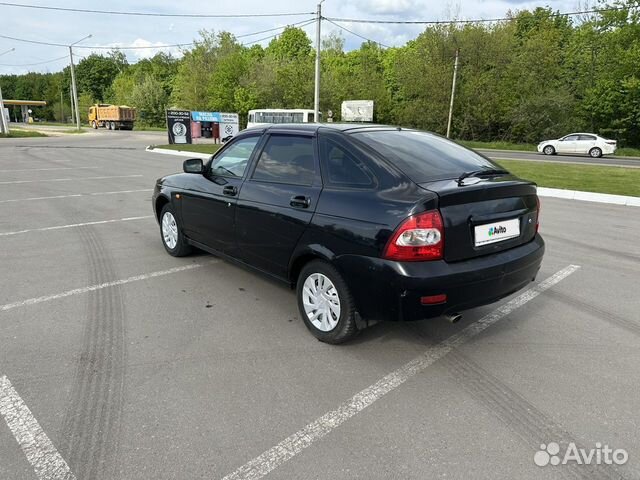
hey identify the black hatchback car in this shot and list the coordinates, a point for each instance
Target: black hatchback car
(368, 223)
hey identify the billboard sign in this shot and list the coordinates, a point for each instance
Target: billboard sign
(229, 125)
(357, 111)
(206, 117)
(179, 126)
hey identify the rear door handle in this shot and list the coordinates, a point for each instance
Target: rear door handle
(300, 201)
(230, 190)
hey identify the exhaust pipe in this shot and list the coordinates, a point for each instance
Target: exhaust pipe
(453, 317)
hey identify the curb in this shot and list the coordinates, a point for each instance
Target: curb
(589, 196)
(179, 153)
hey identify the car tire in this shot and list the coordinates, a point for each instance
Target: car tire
(595, 152)
(334, 321)
(112, 125)
(549, 150)
(94, 124)
(171, 234)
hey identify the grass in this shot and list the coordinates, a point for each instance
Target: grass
(17, 133)
(198, 148)
(147, 128)
(527, 147)
(628, 152)
(53, 124)
(587, 178)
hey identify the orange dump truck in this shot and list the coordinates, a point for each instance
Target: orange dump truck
(112, 117)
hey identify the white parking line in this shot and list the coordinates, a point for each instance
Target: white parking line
(44, 169)
(294, 444)
(73, 225)
(67, 179)
(74, 195)
(41, 453)
(100, 286)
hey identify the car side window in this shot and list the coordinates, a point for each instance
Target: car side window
(588, 138)
(233, 161)
(286, 159)
(570, 138)
(342, 167)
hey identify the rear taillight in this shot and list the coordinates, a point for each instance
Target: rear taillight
(537, 213)
(419, 238)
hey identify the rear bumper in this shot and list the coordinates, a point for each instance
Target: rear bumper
(388, 290)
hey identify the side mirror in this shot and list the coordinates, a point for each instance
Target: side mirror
(193, 165)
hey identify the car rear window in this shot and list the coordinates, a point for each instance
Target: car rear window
(423, 156)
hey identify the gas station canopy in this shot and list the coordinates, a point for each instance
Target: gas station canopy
(29, 103)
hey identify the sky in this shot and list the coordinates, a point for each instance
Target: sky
(136, 31)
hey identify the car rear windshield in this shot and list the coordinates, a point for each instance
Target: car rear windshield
(423, 156)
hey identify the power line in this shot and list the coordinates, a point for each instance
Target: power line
(356, 34)
(481, 20)
(33, 41)
(155, 14)
(174, 45)
(32, 64)
(306, 23)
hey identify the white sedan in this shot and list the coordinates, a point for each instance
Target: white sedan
(579, 143)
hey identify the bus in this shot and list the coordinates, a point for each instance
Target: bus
(268, 116)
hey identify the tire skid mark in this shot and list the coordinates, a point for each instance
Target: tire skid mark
(42, 158)
(594, 246)
(612, 318)
(92, 423)
(533, 426)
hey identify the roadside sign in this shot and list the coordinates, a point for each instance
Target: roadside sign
(206, 117)
(357, 111)
(179, 126)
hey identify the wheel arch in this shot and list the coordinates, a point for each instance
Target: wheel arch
(303, 256)
(161, 201)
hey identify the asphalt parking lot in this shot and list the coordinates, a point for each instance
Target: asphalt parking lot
(118, 361)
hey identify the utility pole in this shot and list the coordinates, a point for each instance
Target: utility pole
(316, 96)
(73, 111)
(4, 125)
(74, 87)
(453, 92)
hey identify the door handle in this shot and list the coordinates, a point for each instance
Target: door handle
(300, 201)
(230, 190)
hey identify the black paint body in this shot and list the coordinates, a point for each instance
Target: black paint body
(254, 222)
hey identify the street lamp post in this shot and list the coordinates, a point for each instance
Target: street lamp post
(4, 125)
(316, 96)
(453, 92)
(73, 81)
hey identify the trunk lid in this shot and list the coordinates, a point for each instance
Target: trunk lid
(485, 215)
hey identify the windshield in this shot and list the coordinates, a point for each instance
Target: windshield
(423, 156)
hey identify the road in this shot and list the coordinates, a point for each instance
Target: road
(583, 159)
(118, 361)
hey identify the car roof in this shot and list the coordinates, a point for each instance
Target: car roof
(313, 127)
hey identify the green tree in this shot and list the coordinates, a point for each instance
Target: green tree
(95, 73)
(151, 100)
